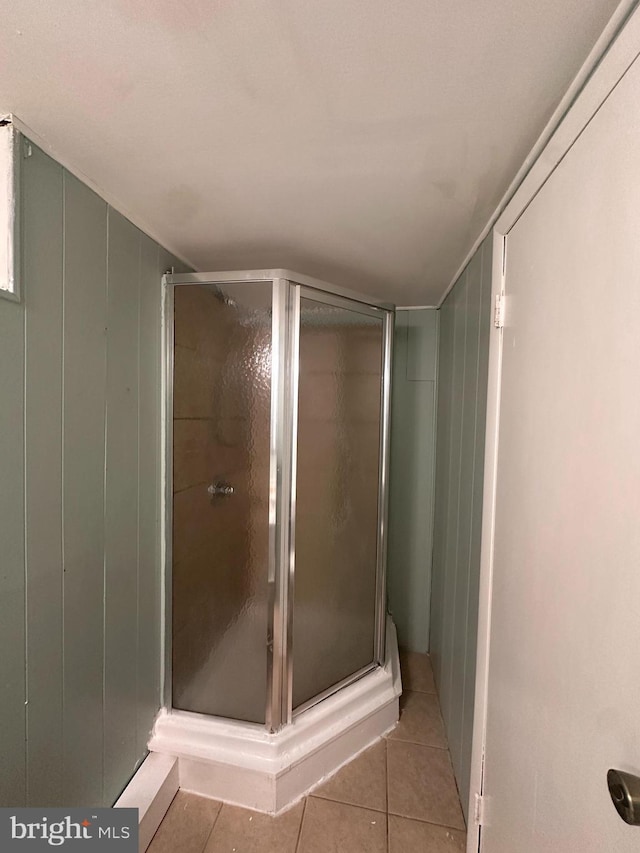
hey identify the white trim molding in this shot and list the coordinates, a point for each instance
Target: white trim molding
(151, 791)
(8, 210)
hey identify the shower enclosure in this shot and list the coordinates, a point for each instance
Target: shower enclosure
(277, 433)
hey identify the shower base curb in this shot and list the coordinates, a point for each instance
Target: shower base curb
(243, 764)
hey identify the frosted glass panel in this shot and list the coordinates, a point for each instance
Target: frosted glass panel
(221, 427)
(337, 496)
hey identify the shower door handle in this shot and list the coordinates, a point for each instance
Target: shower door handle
(220, 489)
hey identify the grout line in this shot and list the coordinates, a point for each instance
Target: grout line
(345, 803)
(409, 690)
(430, 822)
(162, 822)
(457, 787)
(304, 809)
(386, 786)
(386, 774)
(213, 825)
(397, 739)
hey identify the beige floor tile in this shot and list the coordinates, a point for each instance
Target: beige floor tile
(420, 720)
(245, 831)
(330, 827)
(421, 784)
(186, 825)
(362, 782)
(413, 836)
(417, 673)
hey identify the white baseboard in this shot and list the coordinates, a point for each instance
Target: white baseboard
(151, 791)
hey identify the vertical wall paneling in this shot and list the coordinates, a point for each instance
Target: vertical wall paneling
(148, 593)
(473, 588)
(458, 626)
(85, 320)
(453, 496)
(42, 271)
(121, 506)
(422, 344)
(443, 441)
(80, 596)
(463, 360)
(12, 599)
(411, 475)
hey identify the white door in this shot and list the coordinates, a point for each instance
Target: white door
(564, 666)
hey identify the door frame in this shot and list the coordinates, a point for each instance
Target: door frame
(616, 50)
(336, 300)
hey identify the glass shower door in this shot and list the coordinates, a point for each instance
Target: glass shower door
(222, 353)
(337, 503)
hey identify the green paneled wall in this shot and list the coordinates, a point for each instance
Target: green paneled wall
(461, 411)
(80, 497)
(12, 582)
(412, 475)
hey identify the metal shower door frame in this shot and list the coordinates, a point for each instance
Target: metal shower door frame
(287, 288)
(338, 299)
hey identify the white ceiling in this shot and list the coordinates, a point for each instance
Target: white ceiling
(365, 142)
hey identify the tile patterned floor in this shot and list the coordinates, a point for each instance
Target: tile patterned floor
(399, 796)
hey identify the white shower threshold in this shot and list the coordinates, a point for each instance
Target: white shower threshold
(245, 765)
